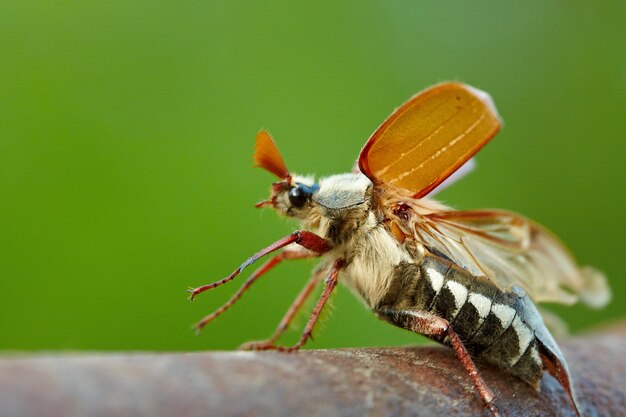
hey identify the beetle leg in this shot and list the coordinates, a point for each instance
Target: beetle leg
(266, 267)
(431, 325)
(291, 313)
(307, 240)
(330, 284)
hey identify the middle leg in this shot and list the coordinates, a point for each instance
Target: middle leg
(330, 284)
(284, 324)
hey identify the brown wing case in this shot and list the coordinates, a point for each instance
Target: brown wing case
(429, 137)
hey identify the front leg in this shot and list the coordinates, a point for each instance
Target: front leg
(307, 240)
(429, 324)
(286, 254)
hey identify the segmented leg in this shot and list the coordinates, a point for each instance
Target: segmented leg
(330, 284)
(307, 240)
(431, 325)
(291, 313)
(266, 267)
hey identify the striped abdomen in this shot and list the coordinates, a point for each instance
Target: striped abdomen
(495, 326)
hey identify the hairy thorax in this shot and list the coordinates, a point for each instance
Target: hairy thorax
(371, 255)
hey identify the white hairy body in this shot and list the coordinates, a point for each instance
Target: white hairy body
(373, 255)
(370, 251)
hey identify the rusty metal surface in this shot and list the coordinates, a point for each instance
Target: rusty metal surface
(425, 381)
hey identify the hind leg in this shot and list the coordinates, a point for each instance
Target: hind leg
(430, 325)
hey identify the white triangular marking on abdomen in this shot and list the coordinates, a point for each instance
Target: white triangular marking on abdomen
(504, 313)
(481, 303)
(459, 292)
(436, 279)
(524, 336)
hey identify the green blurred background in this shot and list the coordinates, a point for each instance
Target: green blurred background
(126, 135)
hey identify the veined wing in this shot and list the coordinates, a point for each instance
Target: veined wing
(511, 251)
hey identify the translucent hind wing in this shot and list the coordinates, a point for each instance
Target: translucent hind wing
(511, 251)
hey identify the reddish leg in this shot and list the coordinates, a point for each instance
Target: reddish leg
(330, 284)
(431, 325)
(291, 313)
(266, 267)
(307, 240)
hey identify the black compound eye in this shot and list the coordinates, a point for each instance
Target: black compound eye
(299, 195)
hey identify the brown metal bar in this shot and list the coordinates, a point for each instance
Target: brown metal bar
(424, 381)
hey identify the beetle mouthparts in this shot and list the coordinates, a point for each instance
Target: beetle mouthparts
(264, 203)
